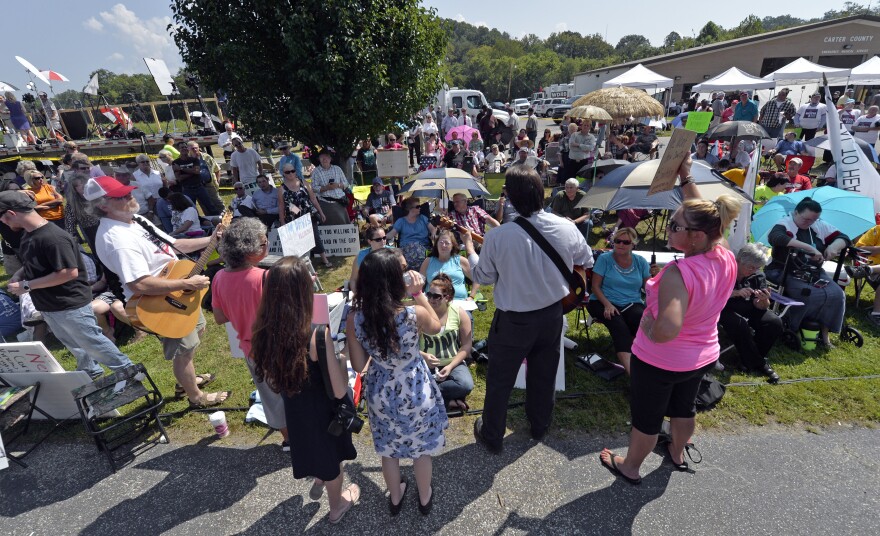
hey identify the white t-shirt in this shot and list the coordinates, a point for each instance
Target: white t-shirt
(130, 252)
(248, 164)
(151, 182)
(871, 135)
(848, 118)
(246, 201)
(810, 116)
(224, 140)
(190, 214)
(141, 194)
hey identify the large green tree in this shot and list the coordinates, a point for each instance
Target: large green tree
(325, 72)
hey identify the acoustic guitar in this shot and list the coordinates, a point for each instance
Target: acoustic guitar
(176, 314)
(577, 289)
(445, 222)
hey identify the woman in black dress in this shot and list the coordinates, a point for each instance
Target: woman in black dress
(283, 348)
(296, 199)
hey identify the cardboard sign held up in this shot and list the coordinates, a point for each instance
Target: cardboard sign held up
(340, 240)
(297, 237)
(392, 163)
(677, 150)
(698, 121)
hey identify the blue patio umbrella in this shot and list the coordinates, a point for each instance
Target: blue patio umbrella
(849, 212)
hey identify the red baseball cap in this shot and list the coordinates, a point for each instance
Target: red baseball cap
(105, 187)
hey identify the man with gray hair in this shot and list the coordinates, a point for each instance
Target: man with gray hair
(746, 318)
(565, 205)
(137, 252)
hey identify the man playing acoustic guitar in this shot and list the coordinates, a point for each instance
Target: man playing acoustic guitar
(136, 251)
(528, 315)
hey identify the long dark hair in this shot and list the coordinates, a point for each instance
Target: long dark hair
(283, 327)
(179, 202)
(379, 294)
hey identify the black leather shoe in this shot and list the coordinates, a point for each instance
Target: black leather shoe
(478, 427)
(768, 371)
(425, 509)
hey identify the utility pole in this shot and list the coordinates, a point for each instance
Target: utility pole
(510, 79)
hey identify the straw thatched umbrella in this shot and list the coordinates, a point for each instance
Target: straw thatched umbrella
(622, 102)
(590, 112)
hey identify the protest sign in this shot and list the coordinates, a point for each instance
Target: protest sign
(340, 240)
(677, 150)
(392, 163)
(698, 121)
(27, 357)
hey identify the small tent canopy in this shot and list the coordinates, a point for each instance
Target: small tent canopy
(732, 80)
(866, 74)
(803, 71)
(640, 77)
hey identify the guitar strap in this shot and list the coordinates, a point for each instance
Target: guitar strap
(156, 236)
(545, 247)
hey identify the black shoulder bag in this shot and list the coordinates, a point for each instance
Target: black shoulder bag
(577, 284)
(345, 418)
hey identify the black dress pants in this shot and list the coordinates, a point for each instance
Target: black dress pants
(738, 321)
(532, 335)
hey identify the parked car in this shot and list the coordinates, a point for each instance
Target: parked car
(550, 105)
(497, 105)
(521, 106)
(560, 110)
(538, 105)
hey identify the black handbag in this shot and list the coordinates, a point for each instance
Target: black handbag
(345, 418)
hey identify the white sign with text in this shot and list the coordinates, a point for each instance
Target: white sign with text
(297, 237)
(340, 240)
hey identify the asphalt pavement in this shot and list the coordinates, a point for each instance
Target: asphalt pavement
(755, 481)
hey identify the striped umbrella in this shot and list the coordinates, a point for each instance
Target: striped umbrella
(54, 76)
(443, 182)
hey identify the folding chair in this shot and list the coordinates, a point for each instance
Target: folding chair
(807, 165)
(17, 407)
(132, 390)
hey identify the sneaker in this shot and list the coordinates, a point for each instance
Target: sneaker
(285, 446)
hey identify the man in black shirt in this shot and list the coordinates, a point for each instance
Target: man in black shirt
(188, 170)
(454, 157)
(54, 274)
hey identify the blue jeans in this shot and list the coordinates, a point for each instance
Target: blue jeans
(457, 385)
(78, 330)
(200, 194)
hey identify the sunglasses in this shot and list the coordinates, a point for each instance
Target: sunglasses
(433, 296)
(673, 227)
(290, 172)
(379, 239)
(621, 241)
(35, 177)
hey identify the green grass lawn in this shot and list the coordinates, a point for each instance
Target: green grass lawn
(589, 404)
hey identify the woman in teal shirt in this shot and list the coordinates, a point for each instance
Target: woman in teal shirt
(445, 259)
(616, 299)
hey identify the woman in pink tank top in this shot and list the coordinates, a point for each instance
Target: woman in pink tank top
(677, 339)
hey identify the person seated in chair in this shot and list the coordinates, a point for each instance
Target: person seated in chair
(870, 242)
(789, 145)
(445, 352)
(746, 318)
(797, 180)
(473, 217)
(242, 204)
(646, 143)
(184, 217)
(266, 201)
(703, 153)
(616, 298)
(377, 208)
(824, 300)
(565, 205)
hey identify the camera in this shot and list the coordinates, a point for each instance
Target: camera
(192, 81)
(345, 419)
(28, 98)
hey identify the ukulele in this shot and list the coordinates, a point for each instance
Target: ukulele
(445, 222)
(175, 315)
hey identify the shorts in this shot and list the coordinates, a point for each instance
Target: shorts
(174, 347)
(656, 393)
(106, 297)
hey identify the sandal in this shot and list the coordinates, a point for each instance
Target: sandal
(355, 493)
(615, 470)
(204, 401)
(683, 466)
(205, 380)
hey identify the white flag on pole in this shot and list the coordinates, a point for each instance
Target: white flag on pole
(741, 227)
(92, 87)
(854, 170)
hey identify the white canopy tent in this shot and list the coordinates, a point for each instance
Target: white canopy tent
(802, 71)
(732, 80)
(866, 74)
(640, 77)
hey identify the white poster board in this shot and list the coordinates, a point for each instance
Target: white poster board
(27, 357)
(340, 240)
(250, 185)
(392, 163)
(297, 237)
(55, 397)
(275, 243)
(232, 335)
(4, 461)
(162, 76)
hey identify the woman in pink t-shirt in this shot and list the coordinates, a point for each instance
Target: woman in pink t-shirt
(235, 298)
(677, 341)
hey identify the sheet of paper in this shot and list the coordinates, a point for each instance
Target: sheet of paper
(698, 121)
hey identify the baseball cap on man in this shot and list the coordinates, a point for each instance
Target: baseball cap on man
(105, 187)
(377, 180)
(17, 201)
